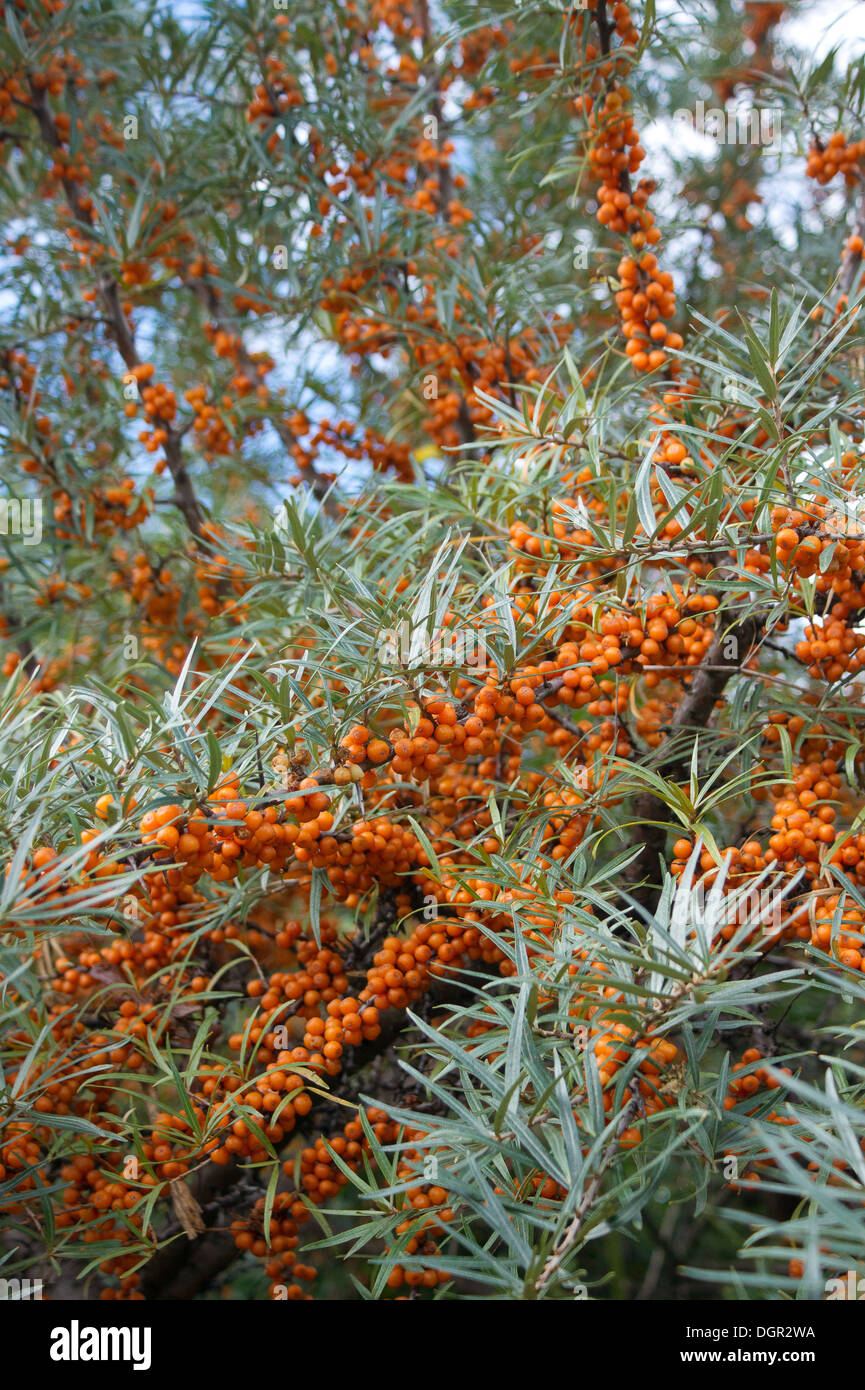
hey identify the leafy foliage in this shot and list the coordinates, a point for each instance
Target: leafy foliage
(433, 573)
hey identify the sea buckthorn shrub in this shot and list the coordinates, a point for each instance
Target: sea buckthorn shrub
(432, 608)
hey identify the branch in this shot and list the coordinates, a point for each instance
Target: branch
(573, 1232)
(117, 322)
(692, 714)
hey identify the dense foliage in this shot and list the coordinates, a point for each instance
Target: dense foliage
(431, 598)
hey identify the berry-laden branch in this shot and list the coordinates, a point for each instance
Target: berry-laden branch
(292, 916)
(81, 207)
(725, 658)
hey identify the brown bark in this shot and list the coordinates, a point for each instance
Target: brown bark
(692, 715)
(184, 493)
